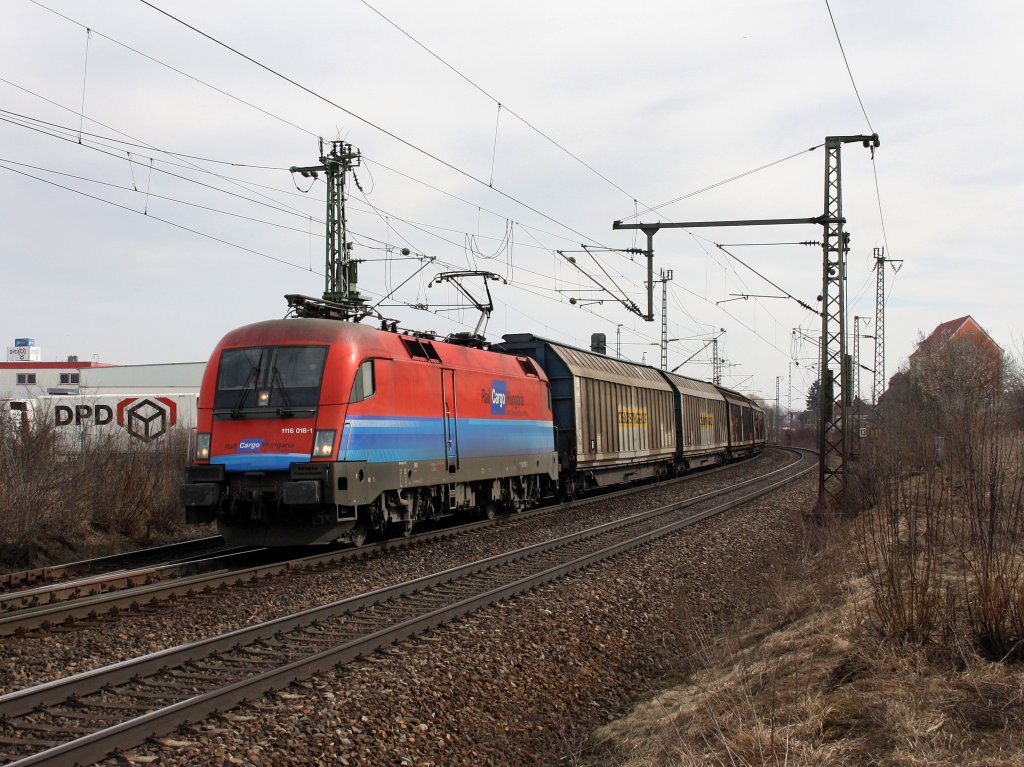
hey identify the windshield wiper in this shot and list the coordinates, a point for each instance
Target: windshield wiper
(236, 411)
(275, 379)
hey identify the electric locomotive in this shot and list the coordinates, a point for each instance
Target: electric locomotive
(311, 431)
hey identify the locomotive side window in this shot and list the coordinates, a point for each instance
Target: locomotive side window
(364, 384)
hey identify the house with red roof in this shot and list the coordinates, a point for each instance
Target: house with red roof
(973, 346)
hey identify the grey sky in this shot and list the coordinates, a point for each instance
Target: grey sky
(661, 98)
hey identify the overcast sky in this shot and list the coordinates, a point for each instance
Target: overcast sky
(149, 247)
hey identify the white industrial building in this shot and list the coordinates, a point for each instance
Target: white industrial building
(24, 375)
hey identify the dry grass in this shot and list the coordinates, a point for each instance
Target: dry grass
(811, 683)
(896, 641)
(56, 504)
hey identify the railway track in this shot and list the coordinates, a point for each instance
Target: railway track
(178, 551)
(80, 601)
(83, 717)
(115, 580)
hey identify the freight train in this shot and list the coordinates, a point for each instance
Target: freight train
(313, 431)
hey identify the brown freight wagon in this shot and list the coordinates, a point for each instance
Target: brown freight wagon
(702, 422)
(614, 420)
(746, 425)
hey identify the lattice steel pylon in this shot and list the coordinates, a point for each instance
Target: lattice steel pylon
(879, 381)
(716, 363)
(834, 397)
(341, 271)
(666, 277)
(835, 363)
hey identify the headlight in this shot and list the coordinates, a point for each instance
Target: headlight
(203, 446)
(263, 397)
(323, 444)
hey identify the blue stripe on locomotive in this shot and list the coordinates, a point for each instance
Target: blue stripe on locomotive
(380, 439)
(259, 461)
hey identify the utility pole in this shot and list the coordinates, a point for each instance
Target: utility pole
(341, 271)
(716, 363)
(879, 380)
(777, 434)
(666, 276)
(833, 436)
(856, 431)
(618, 341)
(856, 357)
(833, 439)
(789, 397)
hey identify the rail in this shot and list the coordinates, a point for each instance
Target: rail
(163, 690)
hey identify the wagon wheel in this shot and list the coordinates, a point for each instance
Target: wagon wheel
(489, 509)
(357, 536)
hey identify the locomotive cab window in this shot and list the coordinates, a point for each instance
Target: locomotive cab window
(365, 384)
(269, 378)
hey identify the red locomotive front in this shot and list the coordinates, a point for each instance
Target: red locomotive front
(312, 431)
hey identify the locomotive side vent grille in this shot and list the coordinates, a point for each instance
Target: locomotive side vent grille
(527, 365)
(420, 349)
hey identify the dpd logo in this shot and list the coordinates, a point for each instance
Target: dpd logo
(147, 419)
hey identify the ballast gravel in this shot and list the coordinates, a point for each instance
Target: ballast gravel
(524, 682)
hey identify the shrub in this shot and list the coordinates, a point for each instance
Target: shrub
(54, 499)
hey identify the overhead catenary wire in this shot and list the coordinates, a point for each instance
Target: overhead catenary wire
(405, 142)
(519, 117)
(527, 244)
(156, 218)
(246, 103)
(774, 284)
(636, 214)
(849, 71)
(727, 267)
(149, 194)
(170, 223)
(132, 161)
(97, 148)
(319, 96)
(860, 101)
(148, 146)
(174, 69)
(121, 142)
(59, 131)
(85, 75)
